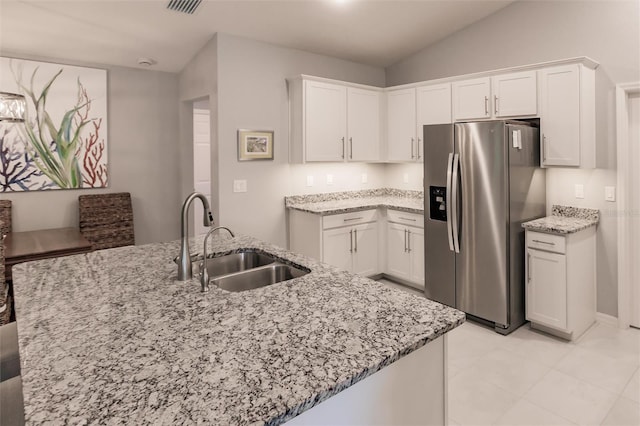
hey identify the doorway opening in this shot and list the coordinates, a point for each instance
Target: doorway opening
(201, 159)
(628, 132)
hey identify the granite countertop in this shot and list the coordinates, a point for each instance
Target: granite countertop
(109, 337)
(564, 220)
(350, 201)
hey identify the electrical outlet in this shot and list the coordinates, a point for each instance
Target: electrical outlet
(240, 185)
(579, 190)
(405, 178)
(364, 178)
(610, 193)
(329, 179)
(309, 180)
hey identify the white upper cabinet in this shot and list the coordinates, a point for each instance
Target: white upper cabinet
(325, 121)
(342, 122)
(472, 99)
(515, 94)
(363, 124)
(401, 125)
(567, 116)
(504, 95)
(433, 105)
(334, 122)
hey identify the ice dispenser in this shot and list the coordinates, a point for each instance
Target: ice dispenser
(437, 203)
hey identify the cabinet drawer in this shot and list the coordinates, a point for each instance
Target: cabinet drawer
(546, 242)
(348, 219)
(411, 219)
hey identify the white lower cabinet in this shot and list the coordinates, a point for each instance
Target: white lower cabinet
(356, 241)
(348, 241)
(560, 282)
(352, 248)
(405, 247)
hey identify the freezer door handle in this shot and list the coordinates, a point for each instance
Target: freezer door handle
(454, 202)
(448, 200)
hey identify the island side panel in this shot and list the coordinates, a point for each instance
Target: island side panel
(410, 391)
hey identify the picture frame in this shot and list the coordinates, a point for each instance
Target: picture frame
(255, 145)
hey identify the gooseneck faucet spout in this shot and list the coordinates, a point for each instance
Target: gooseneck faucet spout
(185, 272)
(204, 277)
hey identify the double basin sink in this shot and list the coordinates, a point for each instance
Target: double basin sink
(248, 270)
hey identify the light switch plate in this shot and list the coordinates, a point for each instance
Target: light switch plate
(610, 193)
(329, 179)
(365, 178)
(579, 190)
(405, 178)
(240, 185)
(309, 180)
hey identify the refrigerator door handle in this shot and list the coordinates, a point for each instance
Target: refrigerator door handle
(454, 203)
(448, 201)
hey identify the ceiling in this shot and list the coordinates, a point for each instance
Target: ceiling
(118, 32)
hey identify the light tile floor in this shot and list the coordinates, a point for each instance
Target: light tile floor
(531, 378)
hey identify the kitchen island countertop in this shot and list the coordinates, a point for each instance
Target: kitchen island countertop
(110, 337)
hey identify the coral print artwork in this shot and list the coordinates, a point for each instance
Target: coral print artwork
(63, 142)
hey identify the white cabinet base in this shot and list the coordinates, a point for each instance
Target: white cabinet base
(411, 391)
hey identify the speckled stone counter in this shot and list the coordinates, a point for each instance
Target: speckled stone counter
(349, 201)
(110, 338)
(564, 220)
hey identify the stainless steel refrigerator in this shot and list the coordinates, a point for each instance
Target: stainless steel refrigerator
(481, 181)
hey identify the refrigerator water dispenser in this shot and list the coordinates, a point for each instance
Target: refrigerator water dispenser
(437, 203)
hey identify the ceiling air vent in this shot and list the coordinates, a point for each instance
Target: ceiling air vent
(184, 6)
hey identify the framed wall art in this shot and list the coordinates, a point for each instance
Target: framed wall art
(255, 145)
(62, 143)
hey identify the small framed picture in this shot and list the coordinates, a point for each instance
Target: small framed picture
(255, 145)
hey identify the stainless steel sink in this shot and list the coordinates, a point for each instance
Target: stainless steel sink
(258, 277)
(237, 262)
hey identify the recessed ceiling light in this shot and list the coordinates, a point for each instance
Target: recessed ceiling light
(146, 62)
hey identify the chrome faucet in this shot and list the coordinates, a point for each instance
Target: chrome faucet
(204, 276)
(185, 272)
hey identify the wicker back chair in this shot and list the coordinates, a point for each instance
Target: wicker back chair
(106, 220)
(5, 217)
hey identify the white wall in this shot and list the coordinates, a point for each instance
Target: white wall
(143, 124)
(252, 94)
(535, 31)
(395, 175)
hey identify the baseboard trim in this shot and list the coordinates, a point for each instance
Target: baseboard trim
(606, 319)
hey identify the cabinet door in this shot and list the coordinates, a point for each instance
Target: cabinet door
(471, 99)
(416, 253)
(363, 124)
(401, 125)
(433, 105)
(515, 94)
(398, 259)
(546, 288)
(337, 247)
(365, 249)
(560, 115)
(325, 124)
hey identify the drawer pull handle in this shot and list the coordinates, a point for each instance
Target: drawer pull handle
(406, 218)
(353, 218)
(544, 242)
